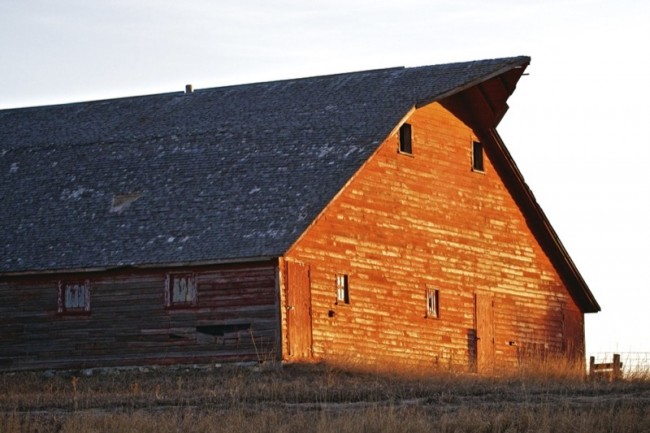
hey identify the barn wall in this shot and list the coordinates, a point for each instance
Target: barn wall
(409, 223)
(235, 317)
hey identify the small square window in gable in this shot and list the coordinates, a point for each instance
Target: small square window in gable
(74, 297)
(180, 290)
(406, 139)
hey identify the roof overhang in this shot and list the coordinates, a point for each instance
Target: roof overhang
(489, 93)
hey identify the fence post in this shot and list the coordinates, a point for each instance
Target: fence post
(616, 371)
(611, 370)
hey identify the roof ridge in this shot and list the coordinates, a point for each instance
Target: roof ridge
(310, 77)
(513, 59)
(197, 90)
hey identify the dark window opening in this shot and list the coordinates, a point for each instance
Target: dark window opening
(221, 330)
(342, 289)
(433, 305)
(405, 139)
(74, 296)
(477, 157)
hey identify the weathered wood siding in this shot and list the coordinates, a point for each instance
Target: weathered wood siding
(406, 223)
(235, 318)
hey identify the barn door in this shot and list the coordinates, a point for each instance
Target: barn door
(298, 310)
(484, 305)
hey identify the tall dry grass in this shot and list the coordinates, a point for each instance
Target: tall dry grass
(319, 398)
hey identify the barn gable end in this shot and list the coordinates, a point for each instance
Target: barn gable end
(421, 227)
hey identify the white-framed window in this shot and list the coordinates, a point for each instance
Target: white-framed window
(180, 290)
(342, 289)
(74, 297)
(433, 303)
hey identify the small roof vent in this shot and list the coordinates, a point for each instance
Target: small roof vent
(121, 202)
(188, 88)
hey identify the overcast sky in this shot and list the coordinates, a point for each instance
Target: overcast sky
(576, 126)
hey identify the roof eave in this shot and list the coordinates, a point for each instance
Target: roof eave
(143, 266)
(519, 63)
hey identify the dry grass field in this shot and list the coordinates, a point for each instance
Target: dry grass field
(317, 398)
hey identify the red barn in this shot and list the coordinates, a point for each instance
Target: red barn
(373, 217)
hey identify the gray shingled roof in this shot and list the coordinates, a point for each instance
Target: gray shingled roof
(218, 174)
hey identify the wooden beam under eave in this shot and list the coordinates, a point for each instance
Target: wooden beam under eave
(480, 106)
(486, 98)
(500, 115)
(510, 79)
(458, 106)
(496, 95)
(497, 90)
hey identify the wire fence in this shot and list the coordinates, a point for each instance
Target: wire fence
(633, 362)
